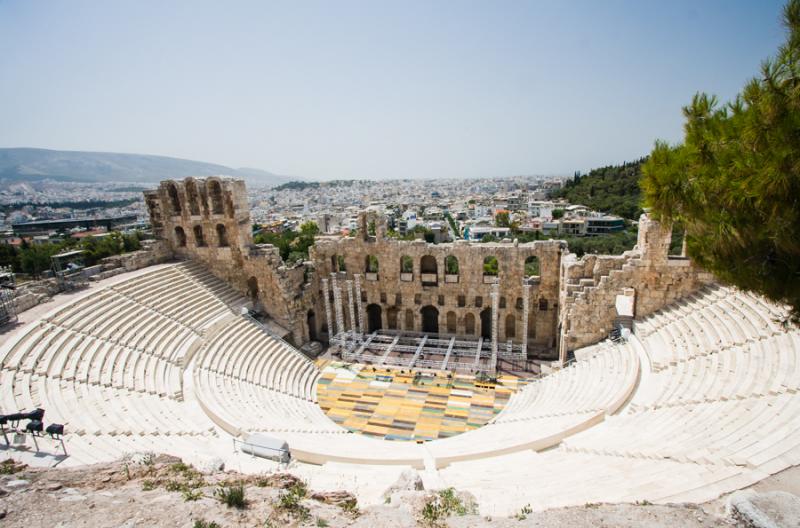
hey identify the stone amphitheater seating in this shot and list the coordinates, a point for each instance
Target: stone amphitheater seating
(703, 398)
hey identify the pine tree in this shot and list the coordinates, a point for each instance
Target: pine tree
(735, 180)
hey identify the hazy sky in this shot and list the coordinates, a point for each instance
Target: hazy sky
(372, 89)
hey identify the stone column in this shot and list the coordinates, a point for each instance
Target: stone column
(327, 302)
(337, 304)
(361, 326)
(526, 293)
(495, 296)
(351, 307)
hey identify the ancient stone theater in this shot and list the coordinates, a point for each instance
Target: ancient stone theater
(517, 372)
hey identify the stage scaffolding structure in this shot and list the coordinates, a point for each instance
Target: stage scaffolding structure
(410, 349)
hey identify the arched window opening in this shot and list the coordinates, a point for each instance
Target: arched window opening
(490, 266)
(451, 322)
(409, 320)
(430, 319)
(175, 201)
(311, 322)
(451, 269)
(469, 324)
(371, 264)
(193, 198)
(373, 318)
(340, 262)
(252, 288)
(511, 326)
(486, 323)
(222, 236)
(406, 268)
(391, 318)
(199, 240)
(180, 236)
(428, 269)
(215, 192)
(532, 267)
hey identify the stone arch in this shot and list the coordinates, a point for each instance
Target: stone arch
(374, 316)
(532, 267)
(175, 201)
(409, 322)
(427, 264)
(430, 319)
(215, 195)
(451, 323)
(491, 268)
(469, 324)
(192, 197)
(199, 239)
(180, 236)
(222, 235)
(451, 265)
(511, 326)
(391, 317)
(486, 323)
(252, 289)
(428, 270)
(311, 323)
(370, 264)
(406, 264)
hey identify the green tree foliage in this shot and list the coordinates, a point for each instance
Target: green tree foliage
(9, 256)
(611, 244)
(372, 264)
(502, 219)
(531, 267)
(451, 265)
(558, 213)
(490, 266)
(35, 259)
(613, 189)
(735, 180)
(292, 245)
(406, 264)
(453, 225)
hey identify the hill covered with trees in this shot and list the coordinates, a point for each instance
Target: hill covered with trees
(613, 189)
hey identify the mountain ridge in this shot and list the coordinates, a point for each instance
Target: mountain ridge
(26, 164)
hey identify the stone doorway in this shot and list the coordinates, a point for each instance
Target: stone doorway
(430, 319)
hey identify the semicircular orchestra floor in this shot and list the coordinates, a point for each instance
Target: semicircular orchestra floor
(400, 404)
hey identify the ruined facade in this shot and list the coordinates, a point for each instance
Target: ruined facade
(589, 286)
(445, 288)
(208, 219)
(416, 286)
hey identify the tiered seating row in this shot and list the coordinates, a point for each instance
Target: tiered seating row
(766, 367)
(602, 382)
(171, 290)
(243, 351)
(751, 432)
(714, 319)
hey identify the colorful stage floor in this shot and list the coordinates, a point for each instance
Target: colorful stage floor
(398, 404)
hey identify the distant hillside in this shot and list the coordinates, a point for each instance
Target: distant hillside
(613, 189)
(31, 164)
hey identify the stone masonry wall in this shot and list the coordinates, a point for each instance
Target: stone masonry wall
(459, 299)
(589, 286)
